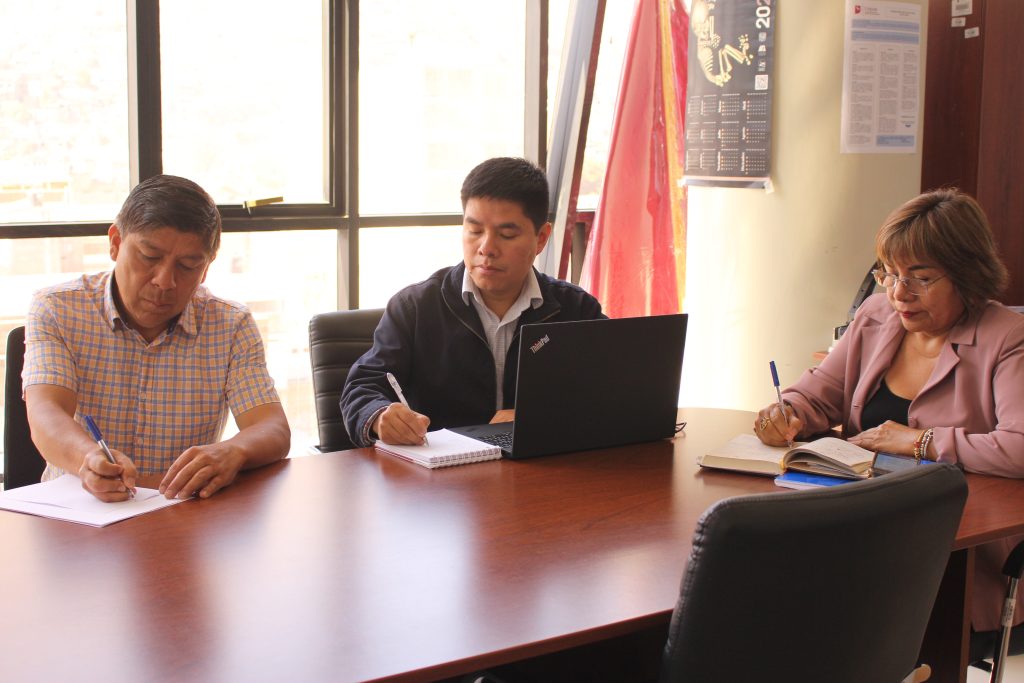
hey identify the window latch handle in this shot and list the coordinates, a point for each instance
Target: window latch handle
(251, 204)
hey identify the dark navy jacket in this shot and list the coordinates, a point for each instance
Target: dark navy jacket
(434, 344)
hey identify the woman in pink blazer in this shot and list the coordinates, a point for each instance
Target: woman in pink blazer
(932, 368)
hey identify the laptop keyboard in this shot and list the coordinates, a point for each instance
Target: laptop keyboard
(502, 440)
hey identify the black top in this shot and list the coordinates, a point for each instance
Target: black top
(884, 405)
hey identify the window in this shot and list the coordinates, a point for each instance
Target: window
(254, 100)
(440, 90)
(284, 278)
(403, 256)
(63, 111)
(30, 264)
(243, 98)
(618, 19)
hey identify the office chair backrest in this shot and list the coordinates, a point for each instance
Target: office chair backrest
(22, 462)
(336, 341)
(829, 584)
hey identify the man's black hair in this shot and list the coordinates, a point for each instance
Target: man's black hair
(169, 201)
(511, 179)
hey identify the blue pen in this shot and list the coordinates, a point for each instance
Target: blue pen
(95, 431)
(778, 392)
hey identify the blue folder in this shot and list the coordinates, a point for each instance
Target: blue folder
(803, 480)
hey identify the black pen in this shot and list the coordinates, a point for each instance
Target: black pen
(95, 431)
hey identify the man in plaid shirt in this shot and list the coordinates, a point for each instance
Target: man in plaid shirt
(153, 357)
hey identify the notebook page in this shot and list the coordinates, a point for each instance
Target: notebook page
(841, 451)
(749, 447)
(445, 448)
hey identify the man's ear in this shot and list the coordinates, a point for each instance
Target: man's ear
(542, 237)
(115, 241)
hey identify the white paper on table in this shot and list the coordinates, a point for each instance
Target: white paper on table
(64, 498)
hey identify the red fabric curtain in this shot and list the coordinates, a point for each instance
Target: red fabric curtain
(635, 261)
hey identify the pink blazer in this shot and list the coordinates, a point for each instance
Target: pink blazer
(974, 402)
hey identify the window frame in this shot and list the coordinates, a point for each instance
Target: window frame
(341, 211)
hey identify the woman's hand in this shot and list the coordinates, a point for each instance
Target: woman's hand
(776, 428)
(891, 437)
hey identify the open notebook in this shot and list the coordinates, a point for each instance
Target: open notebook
(445, 450)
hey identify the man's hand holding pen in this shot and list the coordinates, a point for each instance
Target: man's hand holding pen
(399, 424)
(109, 481)
(119, 466)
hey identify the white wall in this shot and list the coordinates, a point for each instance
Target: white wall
(769, 275)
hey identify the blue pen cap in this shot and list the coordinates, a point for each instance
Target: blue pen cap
(775, 373)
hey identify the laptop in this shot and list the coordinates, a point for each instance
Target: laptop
(592, 384)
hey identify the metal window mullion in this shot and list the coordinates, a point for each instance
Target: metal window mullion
(535, 115)
(145, 144)
(410, 220)
(349, 71)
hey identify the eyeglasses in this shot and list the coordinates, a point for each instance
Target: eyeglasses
(912, 285)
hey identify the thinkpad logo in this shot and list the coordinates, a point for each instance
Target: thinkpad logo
(539, 344)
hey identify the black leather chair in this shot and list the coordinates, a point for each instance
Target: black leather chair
(22, 462)
(830, 585)
(336, 341)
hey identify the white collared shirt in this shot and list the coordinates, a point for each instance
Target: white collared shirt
(499, 332)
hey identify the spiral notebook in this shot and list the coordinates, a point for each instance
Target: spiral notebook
(446, 449)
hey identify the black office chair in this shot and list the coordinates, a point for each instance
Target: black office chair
(336, 341)
(822, 585)
(22, 462)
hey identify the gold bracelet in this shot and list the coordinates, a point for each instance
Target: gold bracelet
(921, 445)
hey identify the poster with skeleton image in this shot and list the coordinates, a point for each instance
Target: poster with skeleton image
(729, 93)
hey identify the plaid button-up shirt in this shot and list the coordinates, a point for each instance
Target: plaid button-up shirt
(152, 400)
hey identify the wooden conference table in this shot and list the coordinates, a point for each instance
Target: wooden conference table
(355, 566)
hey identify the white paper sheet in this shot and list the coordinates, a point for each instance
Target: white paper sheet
(64, 498)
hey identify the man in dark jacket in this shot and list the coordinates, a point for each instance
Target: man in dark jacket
(452, 341)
